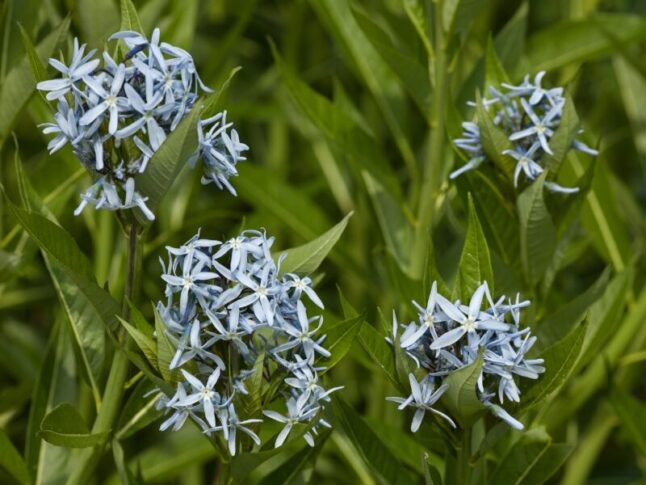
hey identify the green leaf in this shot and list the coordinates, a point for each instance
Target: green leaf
(581, 40)
(380, 352)
(461, 397)
(340, 338)
(631, 86)
(495, 73)
(86, 326)
(560, 361)
(168, 160)
(396, 230)
(537, 231)
(339, 128)
(419, 16)
(411, 73)
(557, 325)
(11, 460)
(375, 453)
(376, 74)
(522, 458)
(497, 215)
(65, 427)
(145, 343)
(632, 414)
(475, 263)
(263, 188)
(20, 84)
(129, 17)
(604, 315)
(494, 140)
(548, 463)
(139, 410)
(291, 471)
(251, 403)
(165, 350)
(561, 141)
(457, 15)
(38, 68)
(306, 259)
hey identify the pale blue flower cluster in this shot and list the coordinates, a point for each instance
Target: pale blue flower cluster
(529, 115)
(116, 114)
(227, 306)
(450, 335)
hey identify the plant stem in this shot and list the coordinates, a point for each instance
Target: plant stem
(115, 386)
(434, 164)
(464, 461)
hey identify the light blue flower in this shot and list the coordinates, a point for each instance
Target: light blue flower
(423, 396)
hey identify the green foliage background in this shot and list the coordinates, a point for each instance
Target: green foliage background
(343, 113)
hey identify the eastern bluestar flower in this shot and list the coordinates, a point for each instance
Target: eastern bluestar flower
(448, 336)
(529, 115)
(115, 114)
(227, 306)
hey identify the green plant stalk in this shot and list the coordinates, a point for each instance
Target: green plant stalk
(581, 462)
(434, 163)
(464, 458)
(115, 386)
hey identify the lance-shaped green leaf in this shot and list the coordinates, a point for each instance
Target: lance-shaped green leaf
(561, 141)
(396, 230)
(494, 140)
(411, 73)
(169, 159)
(548, 463)
(20, 83)
(145, 343)
(632, 414)
(129, 17)
(418, 14)
(340, 338)
(251, 403)
(372, 449)
(560, 361)
(306, 259)
(580, 40)
(11, 460)
(498, 216)
(457, 15)
(291, 471)
(380, 352)
(165, 350)
(495, 73)
(461, 398)
(339, 128)
(86, 327)
(527, 455)
(65, 427)
(537, 231)
(475, 263)
(139, 411)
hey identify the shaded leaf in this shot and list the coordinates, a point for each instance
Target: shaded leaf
(11, 460)
(522, 458)
(632, 414)
(340, 338)
(372, 449)
(461, 397)
(64, 426)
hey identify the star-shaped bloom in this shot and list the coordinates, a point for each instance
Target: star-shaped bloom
(422, 397)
